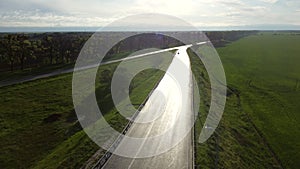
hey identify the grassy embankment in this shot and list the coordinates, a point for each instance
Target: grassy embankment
(39, 125)
(260, 125)
(17, 74)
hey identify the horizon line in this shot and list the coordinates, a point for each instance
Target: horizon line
(40, 29)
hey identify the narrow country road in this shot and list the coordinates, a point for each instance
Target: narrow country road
(170, 107)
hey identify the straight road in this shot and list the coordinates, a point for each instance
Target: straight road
(170, 110)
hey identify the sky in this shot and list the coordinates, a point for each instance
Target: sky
(277, 14)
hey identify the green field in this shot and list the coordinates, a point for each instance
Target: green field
(260, 125)
(267, 73)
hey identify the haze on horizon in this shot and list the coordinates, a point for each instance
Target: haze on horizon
(212, 14)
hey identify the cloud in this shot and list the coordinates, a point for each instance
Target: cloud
(269, 1)
(100, 13)
(45, 19)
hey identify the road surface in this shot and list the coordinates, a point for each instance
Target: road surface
(170, 109)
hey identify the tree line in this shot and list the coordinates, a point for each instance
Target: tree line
(31, 50)
(20, 50)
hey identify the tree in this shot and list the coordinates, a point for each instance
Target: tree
(9, 54)
(24, 49)
(64, 47)
(48, 46)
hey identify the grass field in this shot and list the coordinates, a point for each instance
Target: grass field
(235, 143)
(39, 127)
(265, 69)
(260, 125)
